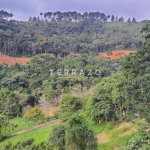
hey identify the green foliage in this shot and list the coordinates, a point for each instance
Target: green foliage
(69, 105)
(140, 141)
(116, 142)
(28, 145)
(11, 103)
(50, 93)
(63, 33)
(5, 14)
(57, 137)
(75, 135)
(34, 114)
(103, 127)
(108, 102)
(100, 107)
(39, 135)
(79, 136)
(7, 99)
(19, 124)
(34, 80)
(137, 86)
(116, 96)
(3, 128)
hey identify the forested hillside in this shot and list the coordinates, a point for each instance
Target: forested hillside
(100, 103)
(68, 32)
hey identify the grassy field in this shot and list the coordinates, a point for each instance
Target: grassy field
(113, 144)
(40, 135)
(21, 124)
(110, 135)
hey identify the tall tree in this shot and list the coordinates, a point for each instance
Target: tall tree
(134, 20)
(3, 127)
(121, 19)
(137, 69)
(116, 19)
(100, 106)
(69, 105)
(5, 15)
(129, 20)
(41, 14)
(34, 114)
(30, 19)
(79, 136)
(57, 137)
(112, 18)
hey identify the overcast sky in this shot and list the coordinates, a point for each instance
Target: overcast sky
(22, 9)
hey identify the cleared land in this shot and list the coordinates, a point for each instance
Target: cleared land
(12, 60)
(51, 110)
(116, 54)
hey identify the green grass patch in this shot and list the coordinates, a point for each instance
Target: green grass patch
(114, 143)
(42, 134)
(115, 133)
(20, 124)
(39, 135)
(105, 127)
(116, 137)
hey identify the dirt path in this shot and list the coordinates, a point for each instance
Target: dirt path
(53, 122)
(103, 138)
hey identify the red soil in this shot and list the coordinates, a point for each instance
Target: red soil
(12, 60)
(116, 54)
(51, 110)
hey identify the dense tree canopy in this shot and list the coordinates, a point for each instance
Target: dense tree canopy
(76, 135)
(69, 105)
(5, 15)
(137, 69)
(63, 33)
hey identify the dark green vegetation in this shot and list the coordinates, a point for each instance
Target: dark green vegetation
(5, 15)
(76, 135)
(64, 33)
(83, 120)
(140, 141)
